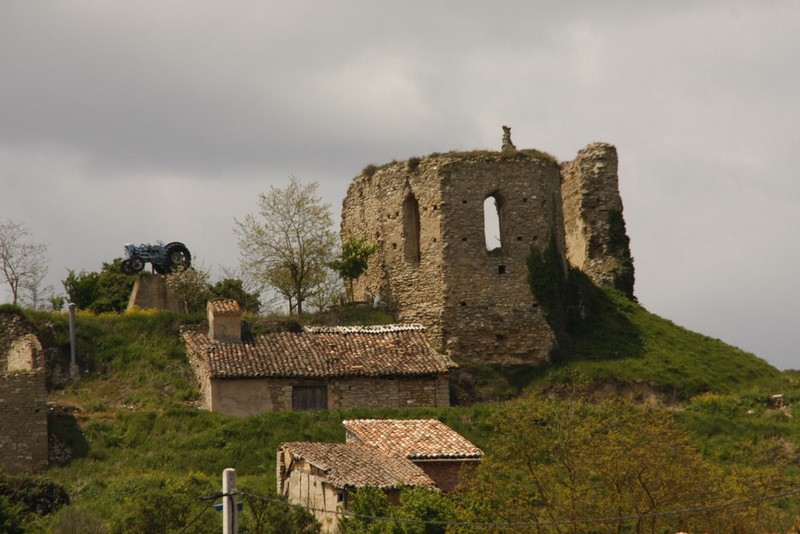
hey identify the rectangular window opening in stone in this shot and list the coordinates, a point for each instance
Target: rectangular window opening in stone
(501, 269)
(411, 229)
(491, 223)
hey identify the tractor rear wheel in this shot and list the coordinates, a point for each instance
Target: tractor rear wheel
(178, 256)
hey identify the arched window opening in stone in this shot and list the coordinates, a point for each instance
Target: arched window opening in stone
(411, 228)
(491, 223)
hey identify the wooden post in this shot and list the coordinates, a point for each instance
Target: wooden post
(229, 501)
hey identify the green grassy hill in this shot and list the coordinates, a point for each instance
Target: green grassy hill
(133, 429)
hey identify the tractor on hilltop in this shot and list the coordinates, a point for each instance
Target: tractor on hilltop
(164, 258)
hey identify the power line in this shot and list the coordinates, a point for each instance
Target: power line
(683, 511)
(208, 505)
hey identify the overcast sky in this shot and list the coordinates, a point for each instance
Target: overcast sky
(144, 121)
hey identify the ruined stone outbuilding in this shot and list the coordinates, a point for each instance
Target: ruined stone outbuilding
(432, 266)
(23, 397)
(383, 453)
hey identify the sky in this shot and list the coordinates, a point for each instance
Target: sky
(144, 121)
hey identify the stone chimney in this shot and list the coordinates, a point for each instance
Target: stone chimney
(224, 321)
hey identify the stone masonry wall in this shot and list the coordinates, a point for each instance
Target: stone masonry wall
(490, 312)
(23, 418)
(476, 303)
(446, 473)
(244, 397)
(380, 208)
(473, 302)
(23, 397)
(590, 192)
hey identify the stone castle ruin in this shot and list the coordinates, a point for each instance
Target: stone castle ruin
(433, 266)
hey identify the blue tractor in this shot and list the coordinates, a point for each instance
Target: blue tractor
(164, 258)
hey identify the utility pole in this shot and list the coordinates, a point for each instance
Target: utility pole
(74, 372)
(229, 522)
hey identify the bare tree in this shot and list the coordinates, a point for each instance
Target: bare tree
(23, 262)
(288, 244)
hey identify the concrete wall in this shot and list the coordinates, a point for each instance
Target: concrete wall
(150, 291)
(244, 397)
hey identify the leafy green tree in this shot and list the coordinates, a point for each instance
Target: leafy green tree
(369, 513)
(103, 291)
(607, 466)
(233, 288)
(274, 515)
(190, 286)
(352, 261)
(167, 505)
(10, 515)
(423, 511)
(288, 244)
(420, 511)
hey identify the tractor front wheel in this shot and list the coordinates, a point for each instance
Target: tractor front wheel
(136, 264)
(125, 267)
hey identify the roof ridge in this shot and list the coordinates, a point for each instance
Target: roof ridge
(366, 329)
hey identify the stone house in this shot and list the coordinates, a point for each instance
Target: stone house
(316, 368)
(387, 454)
(441, 452)
(23, 398)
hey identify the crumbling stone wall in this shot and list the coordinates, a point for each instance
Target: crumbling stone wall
(23, 418)
(23, 398)
(590, 193)
(427, 217)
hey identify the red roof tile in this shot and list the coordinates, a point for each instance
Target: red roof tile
(402, 350)
(357, 465)
(411, 438)
(224, 307)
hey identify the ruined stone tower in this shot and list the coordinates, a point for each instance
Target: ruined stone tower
(432, 265)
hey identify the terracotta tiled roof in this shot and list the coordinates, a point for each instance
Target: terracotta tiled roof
(321, 354)
(412, 438)
(224, 306)
(357, 465)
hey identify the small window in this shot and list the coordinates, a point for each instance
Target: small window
(501, 269)
(492, 223)
(411, 229)
(309, 397)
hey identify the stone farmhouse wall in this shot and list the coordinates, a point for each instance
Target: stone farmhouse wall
(427, 217)
(446, 473)
(250, 396)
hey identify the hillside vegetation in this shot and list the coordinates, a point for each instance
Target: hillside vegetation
(136, 437)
